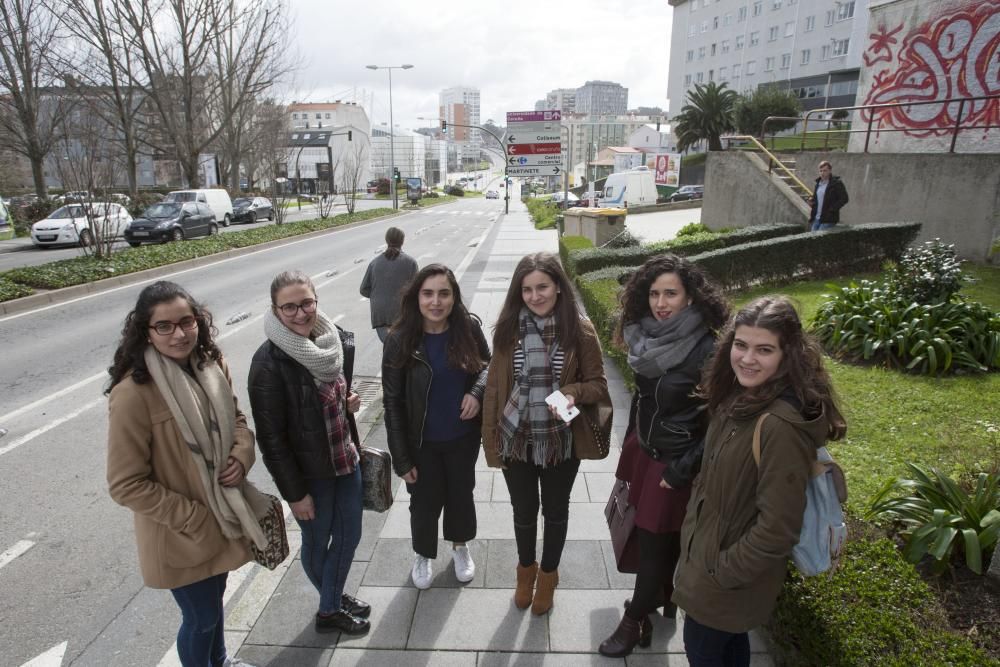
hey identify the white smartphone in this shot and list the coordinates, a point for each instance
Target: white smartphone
(558, 400)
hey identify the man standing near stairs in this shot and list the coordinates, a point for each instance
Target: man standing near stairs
(829, 196)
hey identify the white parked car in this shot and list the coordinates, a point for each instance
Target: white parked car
(75, 224)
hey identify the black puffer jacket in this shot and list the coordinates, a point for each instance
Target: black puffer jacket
(404, 395)
(671, 421)
(288, 418)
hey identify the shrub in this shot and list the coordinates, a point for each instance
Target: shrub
(874, 610)
(622, 240)
(693, 228)
(383, 186)
(567, 244)
(11, 290)
(454, 191)
(543, 212)
(929, 273)
(433, 194)
(940, 518)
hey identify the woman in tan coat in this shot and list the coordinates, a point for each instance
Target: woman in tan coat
(178, 453)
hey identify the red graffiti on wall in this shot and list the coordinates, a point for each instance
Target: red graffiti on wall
(957, 55)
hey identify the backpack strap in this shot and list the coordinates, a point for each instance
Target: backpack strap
(756, 437)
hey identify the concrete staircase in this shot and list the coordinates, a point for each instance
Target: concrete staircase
(790, 164)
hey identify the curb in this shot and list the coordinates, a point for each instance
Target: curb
(14, 247)
(56, 296)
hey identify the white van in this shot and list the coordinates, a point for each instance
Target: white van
(217, 199)
(635, 187)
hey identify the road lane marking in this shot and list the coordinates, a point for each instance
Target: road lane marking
(460, 271)
(17, 550)
(51, 658)
(51, 425)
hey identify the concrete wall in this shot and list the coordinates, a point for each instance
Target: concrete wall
(955, 197)
(739, 192)
(930, 50)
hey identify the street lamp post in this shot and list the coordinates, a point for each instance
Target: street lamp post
(392, 154)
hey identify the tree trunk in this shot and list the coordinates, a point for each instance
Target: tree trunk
(38, 175)
(994, 571)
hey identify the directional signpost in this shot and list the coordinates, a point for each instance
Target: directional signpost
(534, 143)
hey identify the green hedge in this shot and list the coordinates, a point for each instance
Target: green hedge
(843, 251)
(543, 212)
(593, 259)
(79, 270)
(875, 610)
(568, 244)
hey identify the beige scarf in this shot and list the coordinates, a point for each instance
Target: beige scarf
(205, 412)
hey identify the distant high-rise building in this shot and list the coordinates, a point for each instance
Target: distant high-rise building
(460, 105)
(563, 99)
(601, 98)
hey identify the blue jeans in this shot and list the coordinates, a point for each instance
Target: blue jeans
(707, 647)
(329, 540)
(201, 639)
(820, 226)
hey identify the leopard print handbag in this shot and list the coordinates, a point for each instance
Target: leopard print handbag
(273, 525)
(376, 479)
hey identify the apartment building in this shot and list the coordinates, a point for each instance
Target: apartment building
(601, 98)
(327, 116)
(460, 105)
(812, 47)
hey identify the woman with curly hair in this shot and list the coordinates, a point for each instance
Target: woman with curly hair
(670, 312)
(766, 376)
(178, 453)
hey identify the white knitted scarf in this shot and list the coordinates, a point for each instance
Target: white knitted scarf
(323, 355)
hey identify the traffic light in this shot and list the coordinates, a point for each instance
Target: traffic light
(444, 126)
(395, 174)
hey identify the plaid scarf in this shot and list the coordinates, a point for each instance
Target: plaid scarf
(526, 418)
(333, 396)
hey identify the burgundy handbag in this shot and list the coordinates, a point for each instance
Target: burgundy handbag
(621, 525)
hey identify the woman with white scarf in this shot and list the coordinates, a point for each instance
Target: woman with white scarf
(300, 381)
(178, 453)
(670, 312)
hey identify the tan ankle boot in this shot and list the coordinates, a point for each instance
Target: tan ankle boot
(544, 591)
(525, 585)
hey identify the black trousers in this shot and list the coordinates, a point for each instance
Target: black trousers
(556, 482)
(654, 583)
(446, 478)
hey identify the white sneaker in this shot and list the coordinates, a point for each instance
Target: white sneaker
(421, 572)
(465, 569)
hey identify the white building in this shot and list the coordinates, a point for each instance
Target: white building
(316, 159)
(813, 47)
(601, 98)
(563, 99)
(584, 137)
(408, 152)
(460, 105)
(649, 139)
(327, 115)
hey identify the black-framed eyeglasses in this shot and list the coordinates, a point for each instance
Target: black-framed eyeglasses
(290, 309)
(166, 328)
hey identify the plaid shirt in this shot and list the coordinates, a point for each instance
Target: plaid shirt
(333, 395)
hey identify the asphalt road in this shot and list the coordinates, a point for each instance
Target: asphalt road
(34, 256)
(68, 572)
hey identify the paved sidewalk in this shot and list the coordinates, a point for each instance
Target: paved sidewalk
(271, 622)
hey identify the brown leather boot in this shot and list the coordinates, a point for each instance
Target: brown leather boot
(626, 636)
(525, 585)
(545, 589)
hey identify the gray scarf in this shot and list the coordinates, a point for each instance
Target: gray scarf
(322, 357)
(656, 346)
(205, 413)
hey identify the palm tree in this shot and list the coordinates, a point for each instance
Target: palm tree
(708, 114)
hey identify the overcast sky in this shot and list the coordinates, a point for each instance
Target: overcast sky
(514, 51)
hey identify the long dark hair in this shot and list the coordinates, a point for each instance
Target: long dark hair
(394, 242)
(507, 329)
(135, 333)
(463, 350)
(801, 368)
(701, 290)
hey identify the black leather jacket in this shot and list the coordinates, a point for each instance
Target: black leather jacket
(404, 395)
(670, 420)
(288, 418)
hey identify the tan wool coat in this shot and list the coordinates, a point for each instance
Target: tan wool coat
(151, 471)
(582, 378)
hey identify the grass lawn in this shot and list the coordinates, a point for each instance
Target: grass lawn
(6, 234)
(950, 423)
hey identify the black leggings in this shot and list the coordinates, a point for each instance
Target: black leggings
(523, 481)
(658, 555)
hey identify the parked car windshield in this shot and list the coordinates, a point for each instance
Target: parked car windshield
(162, 211)
(242, 201)
(67, 212)
(182, 196)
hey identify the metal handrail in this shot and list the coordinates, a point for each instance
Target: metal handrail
(772, 158)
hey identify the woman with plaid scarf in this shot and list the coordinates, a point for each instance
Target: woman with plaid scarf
(541, 345)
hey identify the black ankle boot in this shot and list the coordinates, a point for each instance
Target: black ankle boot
(626, 636)
(341, 621)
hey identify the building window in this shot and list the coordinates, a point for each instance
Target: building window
(690, 55)
(841, 46)
(722, 73)
(727, 19)
(687, 80)
(295, 116)
(789, 28)
(769, 64)
(700, 77)
(845, 11)
(739, 42)
(786, 60)
(776, 4)
(701, 53)
(693, 30)
(711, 75)
(751, 67)
(757, 8)
(741, 15)
(772, 33)
(715, 23)
(694, 5)
(755, 38)
(825, 52)
(713, 50)
(318, 116)
(830, 16)
(328, 116)
(725, 46)
(792, 2)
(704, 25)
(806, 53)
(810, 23)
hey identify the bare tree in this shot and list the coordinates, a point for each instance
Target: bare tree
(265, 140)
(354, 168)
(29, 109)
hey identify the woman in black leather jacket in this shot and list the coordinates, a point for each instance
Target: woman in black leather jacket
(300, 394)
(670, 312)
(433, 376)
